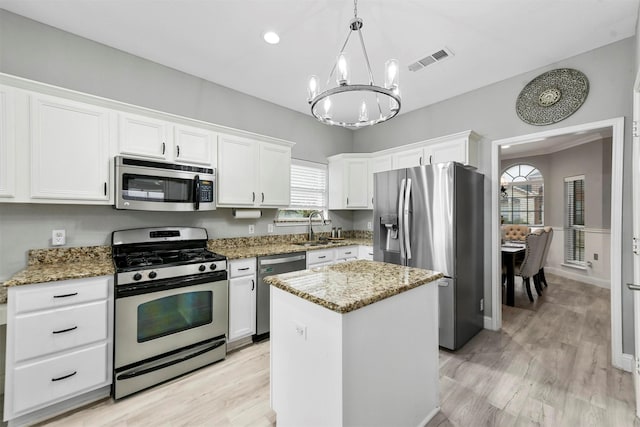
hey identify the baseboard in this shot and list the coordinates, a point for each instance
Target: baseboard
(488, 323)
(429, 416)
(601, 283)
(60, 408)
(625, 362)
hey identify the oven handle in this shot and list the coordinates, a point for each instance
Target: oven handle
(196, 183)
(171, 360)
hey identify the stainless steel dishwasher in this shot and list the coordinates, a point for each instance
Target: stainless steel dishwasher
(268, 266)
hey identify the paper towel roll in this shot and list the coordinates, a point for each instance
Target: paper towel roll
(247, 213)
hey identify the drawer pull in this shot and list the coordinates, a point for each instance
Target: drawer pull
(62, 331)
(347, 253)
(243, 269)
(323, 256)
(64, 377)
(66, 295)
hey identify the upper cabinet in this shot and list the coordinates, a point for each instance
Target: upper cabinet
(7, 143)
(253, 173)
(408, 158)
(377, 164)
(69, 151)
(166, 141)
(349, 181)
(460, 147)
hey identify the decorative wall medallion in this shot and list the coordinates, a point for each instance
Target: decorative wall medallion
(552, 96)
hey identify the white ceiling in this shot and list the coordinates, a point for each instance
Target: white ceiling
(220, 40)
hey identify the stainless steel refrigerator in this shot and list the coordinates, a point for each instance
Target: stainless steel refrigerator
(432, 217)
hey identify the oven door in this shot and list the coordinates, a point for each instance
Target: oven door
(151, 324)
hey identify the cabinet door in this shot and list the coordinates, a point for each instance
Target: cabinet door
(143, 136)
(69, 150)
(357, 183)
(377, 164)
(275, 175)
(193, 145)
(409, 158)
(237, 171)
(450, 151)
(7, 143)
(242, 307)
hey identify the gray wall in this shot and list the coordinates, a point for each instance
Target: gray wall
(39, 52)
(490, 111)
(593, 160)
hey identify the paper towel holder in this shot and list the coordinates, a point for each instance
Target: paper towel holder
(246, 213)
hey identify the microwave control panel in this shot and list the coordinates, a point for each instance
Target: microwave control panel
(206, 191)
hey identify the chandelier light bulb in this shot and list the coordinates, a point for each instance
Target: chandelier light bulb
(312, 90)
(391, 71)
(327, 108)
(393, 104)
(364, 114)
(342, 77)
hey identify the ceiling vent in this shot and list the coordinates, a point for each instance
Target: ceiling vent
(438, 56)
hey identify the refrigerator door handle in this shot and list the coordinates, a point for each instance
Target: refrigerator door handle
(403, 184)
(407, 234)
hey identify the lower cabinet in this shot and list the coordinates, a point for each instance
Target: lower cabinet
(59, 344)
(346, 253)
(365, 252)
(242, 298)
(320, 257)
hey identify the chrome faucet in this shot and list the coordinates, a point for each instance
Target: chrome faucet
(310, 227)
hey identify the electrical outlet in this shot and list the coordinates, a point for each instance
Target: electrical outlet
(369, 226)
(252, 229)
(58, 237)
(595, 257)
(269, 228)
(301, 330)
(482, 304)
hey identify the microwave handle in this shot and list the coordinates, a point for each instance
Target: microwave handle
(196, 202)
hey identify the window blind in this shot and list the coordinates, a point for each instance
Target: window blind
(574, 240)
(308, 186)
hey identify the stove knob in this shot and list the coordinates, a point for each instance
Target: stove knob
(202, 268)
(137, 276)
(213, 266)
(152, 275)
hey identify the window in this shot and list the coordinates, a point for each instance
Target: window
(522, 195)
(308, 193)
(574, 218)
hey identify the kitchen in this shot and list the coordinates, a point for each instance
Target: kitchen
(134, 80)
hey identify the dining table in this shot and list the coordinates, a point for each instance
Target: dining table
(510, 252)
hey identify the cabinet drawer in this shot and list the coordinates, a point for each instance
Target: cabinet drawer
(347, 252)
(46, 332)
(51, 379)
(242, 267)
(317, 256)
(51, 295)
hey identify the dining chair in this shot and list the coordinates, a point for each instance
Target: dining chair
(530, 266)
(515, 231)
(549, 232)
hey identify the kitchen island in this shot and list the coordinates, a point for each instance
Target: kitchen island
(354, 343)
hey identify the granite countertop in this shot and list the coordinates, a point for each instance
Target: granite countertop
(249, 251)
(51, 265)
(348, 286)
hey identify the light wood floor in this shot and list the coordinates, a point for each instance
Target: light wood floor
(549, 366)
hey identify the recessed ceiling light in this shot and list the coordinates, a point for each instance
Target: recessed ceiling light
(271, 37)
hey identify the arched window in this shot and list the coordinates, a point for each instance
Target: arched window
(522, 195)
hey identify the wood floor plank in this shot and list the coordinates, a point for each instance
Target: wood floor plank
(549, 366)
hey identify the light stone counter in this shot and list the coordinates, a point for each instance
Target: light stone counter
(231, 251)
(347, 286)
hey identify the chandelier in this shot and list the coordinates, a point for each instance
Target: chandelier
(355, 105)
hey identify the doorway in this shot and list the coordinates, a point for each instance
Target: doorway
(616, 129)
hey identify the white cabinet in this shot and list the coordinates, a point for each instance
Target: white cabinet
(320, 257)
(349, 181)
(166, 141)
(7, 143)
(365, 252)
(408, 158)
(59, 343)
(346, 253)
(253, 173)
(242, 298)
(460, 147)
(69, 151)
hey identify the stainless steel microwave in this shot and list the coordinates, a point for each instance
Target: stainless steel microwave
(157, 186)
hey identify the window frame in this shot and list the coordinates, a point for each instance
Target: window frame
(304, 211)
(507, 191)
(574, 233)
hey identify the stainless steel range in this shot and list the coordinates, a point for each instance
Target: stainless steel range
(171, 305)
